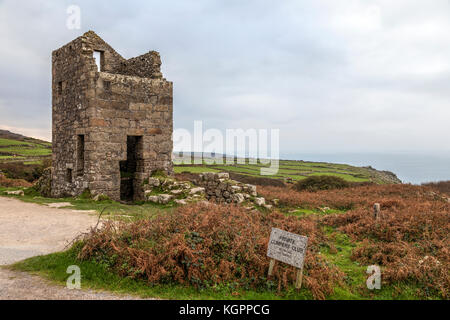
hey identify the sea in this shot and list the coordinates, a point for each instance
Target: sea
(409, 167)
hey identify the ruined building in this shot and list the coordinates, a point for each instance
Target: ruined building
(112, 120)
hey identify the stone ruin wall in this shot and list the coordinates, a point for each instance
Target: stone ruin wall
(219, 188)
(106, 107)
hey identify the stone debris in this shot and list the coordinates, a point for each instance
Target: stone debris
(59, 204)
(153, 199)
(220, 188)
(198, 190)
(164, 198)
(180, 201)
(15, 193)
(260, 201)
(212, 186)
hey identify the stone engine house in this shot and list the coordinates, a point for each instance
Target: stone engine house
(112, 120)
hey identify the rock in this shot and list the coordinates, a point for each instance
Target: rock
(147, 193)
(226, 194)
(154, 182)
(251, 190)
(268, 206)
(276, 202)
(100, 197)
(223, 175)
(236, 189)
(59, 204)
(147, 187)
(238, 198)
(15, 193)
(260, 201)
(176, 192)
(197, 190)
(44, 183)
(180, 201)
(153, 199)
(164, 198)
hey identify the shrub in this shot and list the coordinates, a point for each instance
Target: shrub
(208, 245)
(28, 172)
(441, 186)
(410, 240)
(6, 182)
(315, 183)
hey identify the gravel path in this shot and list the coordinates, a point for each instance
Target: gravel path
(27, 230)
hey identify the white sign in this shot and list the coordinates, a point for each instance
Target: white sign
(287, 247)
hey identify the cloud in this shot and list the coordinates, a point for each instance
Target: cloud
(364, 76)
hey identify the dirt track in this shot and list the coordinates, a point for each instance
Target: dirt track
(28, 229)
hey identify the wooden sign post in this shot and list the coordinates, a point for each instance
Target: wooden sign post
(376, 211)
(289, 248)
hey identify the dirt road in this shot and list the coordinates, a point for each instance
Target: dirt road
(28, 229)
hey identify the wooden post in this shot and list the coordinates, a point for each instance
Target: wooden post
(376, 211)
(271, 265)
(298, 280)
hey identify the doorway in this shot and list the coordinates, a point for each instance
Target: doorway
(129, 167)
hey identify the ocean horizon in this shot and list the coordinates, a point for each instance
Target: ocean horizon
(409, 167)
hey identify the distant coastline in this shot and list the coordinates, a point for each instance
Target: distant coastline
(410, 168)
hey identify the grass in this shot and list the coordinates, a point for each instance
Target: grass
(21, 149)
(98, 277)
(110, 209)
(296, 170)
(355, 280)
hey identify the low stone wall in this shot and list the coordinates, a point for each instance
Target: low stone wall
(214, 187)
(220, 188)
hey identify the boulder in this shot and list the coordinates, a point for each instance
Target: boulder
(223, 175)
(236, 188)
(260, 201)
(176, 192)
(164, 198)
(15, 193)
(153, 199)
(154, 182)
(180, 202)
(198, 190)
(238, 198)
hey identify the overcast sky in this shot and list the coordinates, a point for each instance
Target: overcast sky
(351, 76)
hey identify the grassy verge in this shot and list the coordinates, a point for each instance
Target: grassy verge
(97, 277)
(110, 209)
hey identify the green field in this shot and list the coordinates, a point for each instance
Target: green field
(296, 170)
(28, 150)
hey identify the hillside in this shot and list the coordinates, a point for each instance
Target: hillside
(295, 170)
(17, 148)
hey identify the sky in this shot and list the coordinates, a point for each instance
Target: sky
(332, 76)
